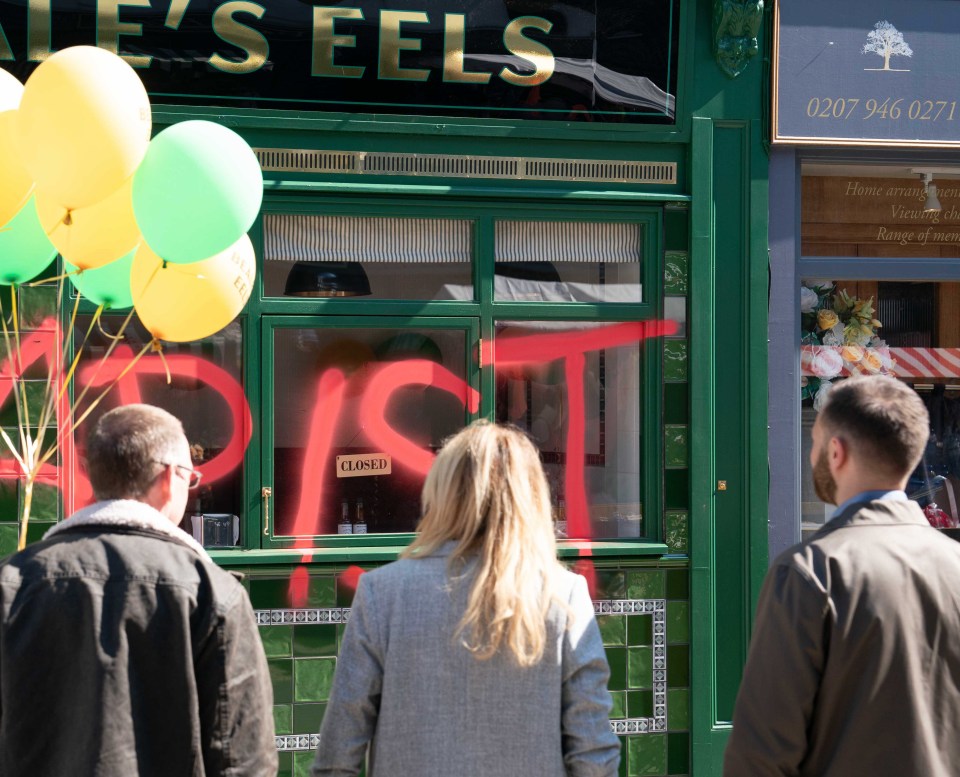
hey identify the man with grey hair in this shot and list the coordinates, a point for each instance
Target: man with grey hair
(124, 650)
(854, 664)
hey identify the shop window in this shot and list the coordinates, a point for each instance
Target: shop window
(358, 416)
(200, 383)
(906, 329)
(576, 390)
(360, 257)
(570, 261)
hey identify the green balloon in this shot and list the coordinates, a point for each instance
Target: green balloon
(107, 285)
(25, 250)
(197, 191)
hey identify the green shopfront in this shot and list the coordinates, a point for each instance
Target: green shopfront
(549, 214)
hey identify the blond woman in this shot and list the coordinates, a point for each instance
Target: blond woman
(477, 654)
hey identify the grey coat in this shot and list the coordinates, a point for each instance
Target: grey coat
(427, 707)
(854, 665)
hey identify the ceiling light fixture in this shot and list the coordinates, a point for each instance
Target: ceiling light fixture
(931, 204)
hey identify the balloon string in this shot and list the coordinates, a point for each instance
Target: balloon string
(10, 361)
(157, 347)
(103, 360)
(104, 332)
(55, 278)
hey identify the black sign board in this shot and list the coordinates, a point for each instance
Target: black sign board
(579, 60)
(867, 72)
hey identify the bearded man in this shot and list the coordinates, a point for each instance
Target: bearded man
(854, 664)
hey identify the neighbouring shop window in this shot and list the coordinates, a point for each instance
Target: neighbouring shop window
(204, 390)
(576, 390)
(358, 415)
(315, 256)
(570, 261)
(910, 330)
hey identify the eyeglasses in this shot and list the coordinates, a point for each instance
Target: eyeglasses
(192, 476)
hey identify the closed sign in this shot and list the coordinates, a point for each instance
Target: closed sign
(363, 464)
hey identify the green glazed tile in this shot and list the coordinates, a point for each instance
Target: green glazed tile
(678, 666)
(675, 446)
(676, 403)
(678, 709)
(45, 505)
(678, 580)
(678, 622)
(640, 630)
(9, 502)
(302, 763)
(314, 640)
(675, 360)
(678, 753)
(281, 674)
(676, 229)
(640, 667)
(619, 705)
(307, 718)
(647, 755)
(675, 272)
(678, 538)
(35, 391)
(277, 640)
(38, 304)
(640, 704)
(617, 658)
(37, 529)
(676, 489)
(622, 769)
(269, 593)
(611, 584)
(8, 539)
(645, 584)
(312, 678)
(285, 761)
(283, 718)
(613, 629)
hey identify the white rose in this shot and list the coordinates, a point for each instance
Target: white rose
(808, 299)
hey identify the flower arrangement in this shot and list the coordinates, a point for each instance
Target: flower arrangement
(838, 336)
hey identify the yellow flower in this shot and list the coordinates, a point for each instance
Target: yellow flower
(875, 324)
(872, 361)
(852, 353)
(827, 319)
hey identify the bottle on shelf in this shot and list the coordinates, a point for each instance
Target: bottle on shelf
(345, 527)
(360, 522)
(561, 525)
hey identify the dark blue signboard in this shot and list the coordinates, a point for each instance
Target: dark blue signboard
(579, 60)
(867, 72)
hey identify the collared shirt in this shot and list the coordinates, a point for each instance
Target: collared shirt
(869, 496)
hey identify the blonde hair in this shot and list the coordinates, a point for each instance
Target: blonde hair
(487, 492)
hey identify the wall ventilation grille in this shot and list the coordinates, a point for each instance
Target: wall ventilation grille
(462, 166)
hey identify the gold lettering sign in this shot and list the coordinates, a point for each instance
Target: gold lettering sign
(391, 44)
(536, 53)
(5, 51)
(110, 28)
(240, 35)
(364, 465)
(454, 43)
(325, 42)
(38, 25)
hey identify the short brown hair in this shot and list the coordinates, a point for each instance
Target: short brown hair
(126, 448)
(882, 418)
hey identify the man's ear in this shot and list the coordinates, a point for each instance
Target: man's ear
(161, 489)
(838, 452)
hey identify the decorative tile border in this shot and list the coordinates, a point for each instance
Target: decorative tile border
(625, 726)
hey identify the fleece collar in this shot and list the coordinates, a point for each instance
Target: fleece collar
(128, 514)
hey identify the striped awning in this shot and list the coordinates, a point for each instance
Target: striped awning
(290, 237)
(568, 241)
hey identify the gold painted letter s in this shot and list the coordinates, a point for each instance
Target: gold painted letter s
(236, 34)
(534, 52)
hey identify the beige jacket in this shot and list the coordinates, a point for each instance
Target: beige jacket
(854, 665)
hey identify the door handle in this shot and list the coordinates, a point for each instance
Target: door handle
(265, 493)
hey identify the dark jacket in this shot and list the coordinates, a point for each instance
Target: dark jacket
(124, 650)
(854, 665)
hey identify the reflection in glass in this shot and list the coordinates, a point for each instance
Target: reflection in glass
(358, 415)
(576, 390)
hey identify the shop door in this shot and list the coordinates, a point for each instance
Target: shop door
(354, 411)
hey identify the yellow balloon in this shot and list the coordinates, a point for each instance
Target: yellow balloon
(95, 235)
(16, 184)
(183, 302)
(83, 125)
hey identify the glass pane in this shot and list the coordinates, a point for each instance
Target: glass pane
(575, 388)
(316, 256)
(909, 330)
(358, 416)
(205, 392)
(549, 261)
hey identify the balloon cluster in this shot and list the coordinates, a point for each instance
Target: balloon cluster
(156, 224)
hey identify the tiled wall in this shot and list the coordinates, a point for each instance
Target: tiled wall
(643, 612)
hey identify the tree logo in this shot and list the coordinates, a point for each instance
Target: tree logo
(886, 41)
